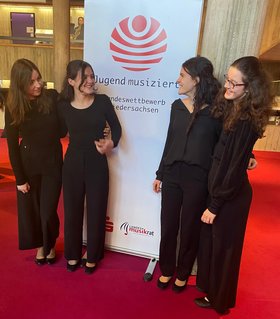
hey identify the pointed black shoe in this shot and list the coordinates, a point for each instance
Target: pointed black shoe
(40, 261)
(163, 285)
(203, 303)
(179, 289)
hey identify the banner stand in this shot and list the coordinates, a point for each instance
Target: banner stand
(136, 52)
(148, 276)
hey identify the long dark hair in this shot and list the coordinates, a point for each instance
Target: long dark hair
(72, 70)
(207, 87)
(256, 104)
(18, 102)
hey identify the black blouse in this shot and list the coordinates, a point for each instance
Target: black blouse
(87, 125)
(230, 162)
(194, 148)
(39, 150)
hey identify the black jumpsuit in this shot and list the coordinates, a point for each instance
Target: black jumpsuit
(183, 171)
(86, 176)
(231, 194)
(37, 159)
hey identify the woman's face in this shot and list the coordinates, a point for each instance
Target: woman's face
(187, 85)
(35, 86)
(234, 85)
(88, 86)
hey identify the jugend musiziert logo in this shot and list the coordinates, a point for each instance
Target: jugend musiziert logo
(126, 228)
(138, 43)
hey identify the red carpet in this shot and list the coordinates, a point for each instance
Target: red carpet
(117, 289)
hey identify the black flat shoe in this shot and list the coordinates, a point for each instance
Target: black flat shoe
(179, 289)
(90, 270)
(51, 260)
(163, 285)
(203, 303)
(72, 268)
(40, 261)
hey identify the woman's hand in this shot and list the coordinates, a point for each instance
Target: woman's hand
(104, 146)
(208, 217)
(156, 186)
(23, 188)
(252, 163)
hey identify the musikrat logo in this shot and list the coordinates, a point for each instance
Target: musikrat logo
(127, 228)
(138, 43)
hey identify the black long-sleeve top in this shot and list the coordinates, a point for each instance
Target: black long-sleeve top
(230, 162)
(194, 148)
(39, 150)
(87, 125)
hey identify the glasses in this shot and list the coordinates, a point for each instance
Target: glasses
(231, 84)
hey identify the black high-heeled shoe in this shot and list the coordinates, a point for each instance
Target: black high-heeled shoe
(51, 260)
(163, 285)
(90, 269)
(74, 267)
(40, 261)
(179, 289)
(51, 257)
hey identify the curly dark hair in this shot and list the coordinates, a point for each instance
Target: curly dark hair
(207, 87)
(256, 104)
(73, 68)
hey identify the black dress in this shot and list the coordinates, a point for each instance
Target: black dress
(86, 175)
(231, 194)
(37, 159)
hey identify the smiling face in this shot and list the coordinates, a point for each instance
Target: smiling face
(187, 85)
(234, 85)
(35, 86)
(87, 88)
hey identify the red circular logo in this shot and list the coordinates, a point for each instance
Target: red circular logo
(138, 43)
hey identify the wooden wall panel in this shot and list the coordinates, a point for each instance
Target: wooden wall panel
(271, 33)
(42, 56)
(271, 141)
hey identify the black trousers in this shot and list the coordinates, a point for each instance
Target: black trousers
(85, 175)
(221, 248)
(38, 222)
(184, 195)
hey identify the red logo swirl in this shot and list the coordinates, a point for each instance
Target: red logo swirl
(138, 43)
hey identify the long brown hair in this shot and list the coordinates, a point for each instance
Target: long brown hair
(18, 102)
(256, 104)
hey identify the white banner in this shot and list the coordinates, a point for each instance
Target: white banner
(136, 48)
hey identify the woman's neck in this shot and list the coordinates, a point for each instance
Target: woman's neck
(188, 102)
(82, 101)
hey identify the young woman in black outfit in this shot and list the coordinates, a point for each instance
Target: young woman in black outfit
(244, 107)
(36, 160)
(85, 169)
(183, 171)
